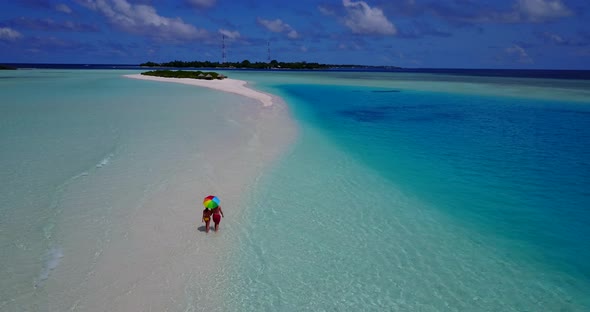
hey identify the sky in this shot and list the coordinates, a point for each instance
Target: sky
(528, 34)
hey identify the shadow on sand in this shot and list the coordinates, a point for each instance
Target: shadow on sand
(202, 228)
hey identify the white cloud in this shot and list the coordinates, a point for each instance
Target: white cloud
(229, 34)
(541, 10)
(9, 34)
(555, 38)
(325, 10)
(202, 3)
(278, 26)
(362, 19)
(350, 46)
(521, 11)
(50, 25)
(143, 19)
(63, 8)
(581, 40)
(274, 26)
(518, 52)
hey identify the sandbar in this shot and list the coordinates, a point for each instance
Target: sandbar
(140, 245)
(226, 85)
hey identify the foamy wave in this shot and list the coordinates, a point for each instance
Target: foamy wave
(105, 161)
(54, 256)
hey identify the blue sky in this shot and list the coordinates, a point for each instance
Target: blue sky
(552, 34)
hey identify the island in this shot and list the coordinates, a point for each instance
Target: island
(274, 64)
(4, 67)
(225, 84)
(185, 74)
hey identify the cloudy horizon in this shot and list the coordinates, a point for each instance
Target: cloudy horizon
(534, 34)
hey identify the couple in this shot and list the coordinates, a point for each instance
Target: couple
(217, 213)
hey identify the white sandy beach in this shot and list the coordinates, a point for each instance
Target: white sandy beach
(226, 85)
(155, 255)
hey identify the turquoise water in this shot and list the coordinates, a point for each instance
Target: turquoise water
(407, 192)
(416, 200)
(512, 167)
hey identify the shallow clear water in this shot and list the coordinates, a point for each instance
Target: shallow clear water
(410, 199)
(408, 192)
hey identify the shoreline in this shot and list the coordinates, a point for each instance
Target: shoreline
(226, 85)
(127, 234)
(155, 254)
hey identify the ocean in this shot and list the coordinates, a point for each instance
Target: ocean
(412, 197)
(401, 192)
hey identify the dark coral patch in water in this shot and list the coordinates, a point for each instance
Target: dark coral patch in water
(364, 115)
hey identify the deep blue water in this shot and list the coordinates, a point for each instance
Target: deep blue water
(514, 168)
(518, 73)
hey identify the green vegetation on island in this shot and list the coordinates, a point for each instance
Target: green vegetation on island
(185, 74)
(246, 64)
(4, 67)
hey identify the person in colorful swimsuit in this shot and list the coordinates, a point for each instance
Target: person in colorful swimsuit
(217, 214)
(207, 219)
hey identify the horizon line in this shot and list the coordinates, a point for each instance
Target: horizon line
(359, 65)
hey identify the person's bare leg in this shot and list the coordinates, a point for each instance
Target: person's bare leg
(207, 227)
(216, 227)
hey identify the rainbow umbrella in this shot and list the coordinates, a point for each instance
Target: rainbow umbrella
(211, 202)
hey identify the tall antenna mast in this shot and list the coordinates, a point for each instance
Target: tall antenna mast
(223, 48)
